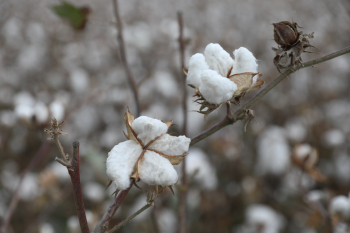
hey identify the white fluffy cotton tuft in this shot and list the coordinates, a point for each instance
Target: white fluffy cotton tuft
(148, 128)
(171, 145)
(196, 65)
(215, 88)
(340, 205)
(218, 59)
(244, 61)
(157, 170)
(121, 162)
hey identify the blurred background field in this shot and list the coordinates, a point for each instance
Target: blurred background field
(240, 181)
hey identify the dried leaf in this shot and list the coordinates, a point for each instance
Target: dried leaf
(259, 84)
(243, 82)
(168, 123)
(129, 119)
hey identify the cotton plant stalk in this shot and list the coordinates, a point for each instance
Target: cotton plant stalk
(148, 155)
(218, 79)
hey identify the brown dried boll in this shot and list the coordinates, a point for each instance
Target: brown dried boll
(285, 33)
(291, 44)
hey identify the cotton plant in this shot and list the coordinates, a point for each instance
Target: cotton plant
(217, 78)
(148, 155)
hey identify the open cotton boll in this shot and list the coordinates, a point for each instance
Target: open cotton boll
(262, 215)
(215, 88)
(244, 61)
(197, 163)
(340, 205)
(171, 145)
(121, 161)
(157, 170)
(148, 128)
(196, 65)
(218, 59)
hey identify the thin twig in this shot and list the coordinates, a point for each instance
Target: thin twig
(14, 201)
(183, 193)
(123, 223)
(123, 56)
(103, 223)
(239, 114)
(78, 197)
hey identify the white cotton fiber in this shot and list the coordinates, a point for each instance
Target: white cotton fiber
(121, 161)
(340, 205)
(197, 163)
(215, 88)
(244, 61)
(157, 170)
(218, 59)
(148, 128)
(262, 215)
(171, 145)
(196, 65)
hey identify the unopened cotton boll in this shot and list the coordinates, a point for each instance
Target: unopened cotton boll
(157, 170)
(148, 128)
(218, 59)
(215, 88)
(244, 61)
(196, 65)
(340, 205)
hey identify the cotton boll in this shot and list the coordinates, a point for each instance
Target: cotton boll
(57, 110)
(262, 215)
(215, 88)
(166, 84)
(296, 130)
(157, 170)
(197, 163)
(148, 128)
(273, 151)
(46, 228)
(36, 33)
(244, 61)
(11, 31)
(94, 191)
(73, 224)
(31, 57)
(197, 64)
(167, 220)
(171, 145)
(341, 168)
(41, 112)
(218, 59)
(8, 118)
(24, 98)
(79, 80)
(315, 196)
(334, 138)
(24, 112)
(30, 188)
(340, 205)
(121, 161)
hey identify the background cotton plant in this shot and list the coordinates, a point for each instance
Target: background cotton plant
(92, 103)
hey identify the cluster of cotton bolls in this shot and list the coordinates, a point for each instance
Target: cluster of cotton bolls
(210, 72)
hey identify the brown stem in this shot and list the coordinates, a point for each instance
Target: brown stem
(78, 197)
(239, 114)
(103, 223)
(183, 193)
(14, 201)
(122, 51)
(123, 223)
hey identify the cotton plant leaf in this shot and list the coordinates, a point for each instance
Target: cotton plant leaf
(76, 16)
(243, 82)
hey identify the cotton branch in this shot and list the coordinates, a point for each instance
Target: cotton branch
(240, 113)
(123, 56)
(102, 225)
(123, 223)
(72, 165)
(183, 193)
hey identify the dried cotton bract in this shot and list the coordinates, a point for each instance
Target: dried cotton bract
(218, 78)
(147, 155)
